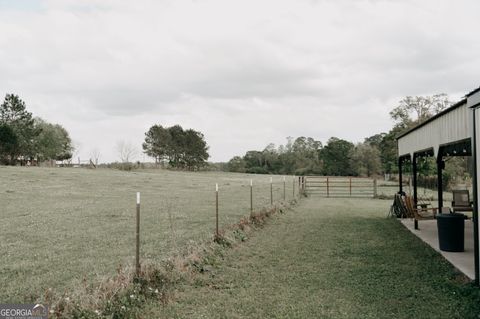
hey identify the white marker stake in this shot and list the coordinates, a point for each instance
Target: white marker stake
(216, 211)
(137, 237)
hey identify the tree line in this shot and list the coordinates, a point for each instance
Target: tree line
(307, 156)
(376, 155)
(24, 138)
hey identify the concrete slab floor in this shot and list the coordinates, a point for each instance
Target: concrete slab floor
(463, 261)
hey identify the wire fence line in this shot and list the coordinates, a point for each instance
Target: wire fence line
(62, 225)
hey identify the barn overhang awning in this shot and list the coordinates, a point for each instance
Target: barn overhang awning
(439, 133)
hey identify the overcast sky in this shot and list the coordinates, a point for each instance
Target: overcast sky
(245, 73)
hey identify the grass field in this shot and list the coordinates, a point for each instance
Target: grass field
(327, 258)
(61, 226)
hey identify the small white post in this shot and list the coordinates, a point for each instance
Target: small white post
(216, 210)
(137, 238)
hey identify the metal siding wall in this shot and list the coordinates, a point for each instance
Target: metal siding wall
(477, 149)
(451, 127)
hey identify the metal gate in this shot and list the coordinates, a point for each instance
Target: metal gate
(336, 186)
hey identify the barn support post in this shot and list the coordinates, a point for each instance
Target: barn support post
(400, 179)
(415, 195)
(440, 167)
(475, 174)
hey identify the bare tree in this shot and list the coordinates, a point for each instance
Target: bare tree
(95, 155)
(126, 151)
(412, 110)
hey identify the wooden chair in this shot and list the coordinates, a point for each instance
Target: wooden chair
(422, 213)
(461, 201)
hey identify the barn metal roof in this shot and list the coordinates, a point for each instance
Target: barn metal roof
(449, 126)
(473, 92)
(433, 118)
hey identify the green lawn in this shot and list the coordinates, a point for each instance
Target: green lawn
(327, 258)
(60, 226)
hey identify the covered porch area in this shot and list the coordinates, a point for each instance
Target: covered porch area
(448, 134)
(463, 261)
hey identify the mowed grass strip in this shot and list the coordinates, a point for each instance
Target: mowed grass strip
(59, 227)
(328, 258)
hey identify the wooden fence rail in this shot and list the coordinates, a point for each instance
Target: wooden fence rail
(329, 186)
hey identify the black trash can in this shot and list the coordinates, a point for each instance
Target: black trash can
(451, 228)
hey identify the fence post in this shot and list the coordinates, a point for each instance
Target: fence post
(284, 189)
(328, 189)
(350, 187)
(299, 184)
(293, 186)
(375, 188)
(251, 198)
(137, 238)
(271, 190)
(216, 210)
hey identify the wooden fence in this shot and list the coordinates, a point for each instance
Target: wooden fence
(328, 186)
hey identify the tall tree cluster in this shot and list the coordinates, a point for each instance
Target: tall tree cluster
(23, 137)
(376, 155)
(305, 155)
(184, 149)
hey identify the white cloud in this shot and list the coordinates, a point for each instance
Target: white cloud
(245, 73)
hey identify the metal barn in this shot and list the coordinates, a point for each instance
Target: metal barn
(452, 132)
